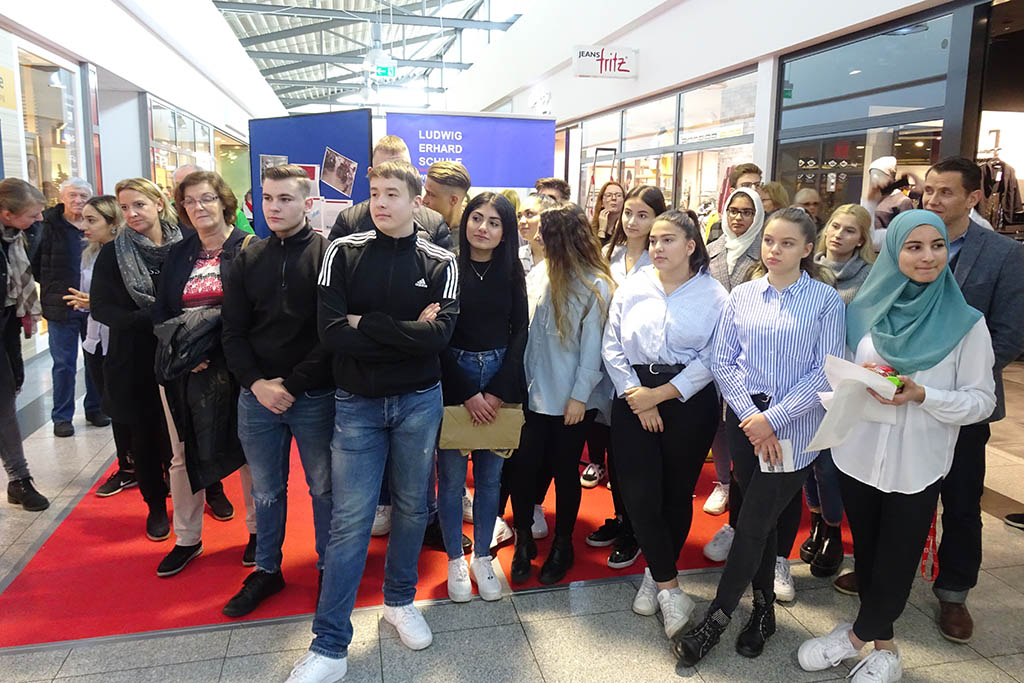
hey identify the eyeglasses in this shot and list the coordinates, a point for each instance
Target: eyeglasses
(746, 213)
(610, 195)
(205, 200)
(752, 185)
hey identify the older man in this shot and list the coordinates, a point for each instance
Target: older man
(57, 265)
(809, 200)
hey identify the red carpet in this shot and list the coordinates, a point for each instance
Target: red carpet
(96, 574)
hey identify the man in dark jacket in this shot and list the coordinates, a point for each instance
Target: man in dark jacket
(57, 264)
(388, 301)
(358, 219)
(271, 344)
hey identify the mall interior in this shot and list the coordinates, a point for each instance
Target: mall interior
(811, 93)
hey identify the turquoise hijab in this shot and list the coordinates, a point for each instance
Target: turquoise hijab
(913, 325)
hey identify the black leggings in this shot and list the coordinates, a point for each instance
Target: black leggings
(151, 449)
(547, 441)
(658, 472)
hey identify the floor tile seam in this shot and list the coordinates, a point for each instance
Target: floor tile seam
(533, 652)
(59, 678)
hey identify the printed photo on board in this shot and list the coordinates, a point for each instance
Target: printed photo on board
(338, 171)
(271, 160)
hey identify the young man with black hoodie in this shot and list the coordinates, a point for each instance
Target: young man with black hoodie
(271, 345)
(388, 300)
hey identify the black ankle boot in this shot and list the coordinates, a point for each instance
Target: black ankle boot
(559, 561)
(759, 628)
(810, 547)
(691, 646)
(22, 492)
(525, 551)
(830, 555)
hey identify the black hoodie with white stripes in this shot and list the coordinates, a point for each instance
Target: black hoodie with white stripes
(388, 282)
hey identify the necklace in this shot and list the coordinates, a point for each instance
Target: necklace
(477, 272)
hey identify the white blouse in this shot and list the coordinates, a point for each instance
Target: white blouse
(617, 263)
(916, 451)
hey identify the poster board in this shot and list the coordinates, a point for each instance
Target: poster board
(337, 144)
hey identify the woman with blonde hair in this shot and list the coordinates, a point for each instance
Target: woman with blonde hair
(845, 248)
(773, 197)
(122, 292)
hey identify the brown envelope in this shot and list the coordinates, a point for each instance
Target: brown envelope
(502, 436)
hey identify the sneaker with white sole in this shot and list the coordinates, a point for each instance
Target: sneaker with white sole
(785, 589)
(718, 501)
(592, 475)
(676, 609)
(381, 521)
(646, 600)
(827, 651)
(314, 668)
(502, 535)
(539, 528)
(717, 549)
(483, 575)
(881, 666)
(411, 626)
(460, 589)
(467, 507)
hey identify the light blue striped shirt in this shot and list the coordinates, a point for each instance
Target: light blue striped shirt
(774, 343)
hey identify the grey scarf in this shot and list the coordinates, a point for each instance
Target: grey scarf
(139, 260)
(20, 288)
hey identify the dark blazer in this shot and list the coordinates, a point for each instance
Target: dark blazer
(718, 267)
(990, 272)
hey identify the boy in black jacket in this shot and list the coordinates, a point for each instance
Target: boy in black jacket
(388, 300)
(271, 345)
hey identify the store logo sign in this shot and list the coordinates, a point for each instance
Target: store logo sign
(7, 95)
(604, 61)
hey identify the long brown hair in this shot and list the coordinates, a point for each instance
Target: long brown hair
(573, 256)
(809, 230)
(595, 222)
(649, 195)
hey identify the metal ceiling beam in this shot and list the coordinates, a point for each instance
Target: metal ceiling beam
(321, 13)
(339, 86)
(292, 104)
(342, 59)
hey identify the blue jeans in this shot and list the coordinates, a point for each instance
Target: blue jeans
(822, 489)
(480, 367)
(385, 492)
(368, 432)
(267, 439)
(65, 337)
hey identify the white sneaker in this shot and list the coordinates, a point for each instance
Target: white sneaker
(502, 534)
(467, 507)
(881, 666)
(676, 608)
(381, 521)
(718, 501)
(785, 589)
(459, 587)
(646, 600)
(314, 668)
(486, 581)
(718, 547)
(591, 476)
(411, 626)
(825, 652)
(539, 529)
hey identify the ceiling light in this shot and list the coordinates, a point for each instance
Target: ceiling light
(898, 144)
(860, 146)
(919, 143)
(855, 72)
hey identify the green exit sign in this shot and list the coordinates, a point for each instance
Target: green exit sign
(385, 72)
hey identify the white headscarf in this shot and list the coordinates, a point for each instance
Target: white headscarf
(737, 245)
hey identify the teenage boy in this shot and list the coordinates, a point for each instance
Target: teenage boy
(271, 344)
(388, 300)
(556, 188)
(445, 191)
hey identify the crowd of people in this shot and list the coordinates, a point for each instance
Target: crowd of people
(640, 335)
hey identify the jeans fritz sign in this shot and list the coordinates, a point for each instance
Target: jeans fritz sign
(603, 61)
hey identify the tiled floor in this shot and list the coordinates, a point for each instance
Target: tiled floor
(584, 632)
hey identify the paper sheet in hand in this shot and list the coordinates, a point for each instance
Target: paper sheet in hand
(850, 403)
(787, 459)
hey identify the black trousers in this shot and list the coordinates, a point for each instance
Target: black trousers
(889, 533)
(960, 546)
(751, 559)
(547, 442)
(150, 447)
(658, 473)
(122, 434)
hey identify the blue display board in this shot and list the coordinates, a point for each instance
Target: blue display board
(337, 143)
(498, 151)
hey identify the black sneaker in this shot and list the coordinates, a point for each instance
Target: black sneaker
(249, 554)
(22, 492)
(63, 429)
(97, 419)
(1015, 519)
(220, 507)
(256, 588)
(158, 525)
(759, 628)
(606, 534)
(434, 539)
(691, 646)
(625, 552)
(117, 482)
(176, 560)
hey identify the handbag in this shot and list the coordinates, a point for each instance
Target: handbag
(501, 436)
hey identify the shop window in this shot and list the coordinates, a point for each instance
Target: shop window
(893, 72)
(51, 126)
(163, 124)
(232, 161)
(701, 173)
(561, 145)
(720, 110)
(657, 170)
(186, 135)
(601, 132)
(650, 126)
